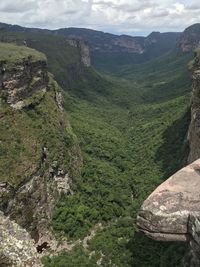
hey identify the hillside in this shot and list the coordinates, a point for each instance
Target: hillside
(109, 50)
(131, 127)
(39, 152)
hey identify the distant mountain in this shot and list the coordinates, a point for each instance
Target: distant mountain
(190, 38)
(109, 50)
(106, 42)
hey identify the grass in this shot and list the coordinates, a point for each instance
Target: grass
(13, 54)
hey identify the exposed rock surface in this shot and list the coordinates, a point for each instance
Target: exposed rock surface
(83, 49)
(165, 213)
(194, 130)
(20, 78)
(190, 38)
(28, 197)
(17, 249)
(105, 42)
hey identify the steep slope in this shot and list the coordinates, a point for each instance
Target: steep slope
(39, 152)
(172, 211)
(190, 38)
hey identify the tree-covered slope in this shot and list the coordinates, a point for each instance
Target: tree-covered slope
(132, 138)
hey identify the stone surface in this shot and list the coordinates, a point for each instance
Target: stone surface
(190, 38)
(83, 49)
(17, 249)
(165, 213)
(22, 80)
(194, 129)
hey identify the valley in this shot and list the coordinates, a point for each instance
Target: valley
(132, 137)
(131, 124)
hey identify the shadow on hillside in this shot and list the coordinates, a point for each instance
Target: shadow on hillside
(147, 252)
(172, 154)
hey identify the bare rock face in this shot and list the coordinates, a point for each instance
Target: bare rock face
(17, 249)
(165, 213)
(190, 38)
(22, 80)
(84, 50)
(194, 130)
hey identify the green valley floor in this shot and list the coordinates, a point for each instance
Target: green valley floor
(132, 127)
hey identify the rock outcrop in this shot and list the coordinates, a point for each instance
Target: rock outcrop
(190, 38)
(194, 129)
(21, 76)
(165, 213)
(83, 50)
(17, 249)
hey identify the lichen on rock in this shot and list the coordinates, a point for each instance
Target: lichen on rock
(17, 249)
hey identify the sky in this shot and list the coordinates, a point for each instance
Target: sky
(133, 17)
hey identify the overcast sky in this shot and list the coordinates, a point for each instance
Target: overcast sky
(134, 17)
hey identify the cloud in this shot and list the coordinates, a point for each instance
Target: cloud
(17, 6)
(118, 16)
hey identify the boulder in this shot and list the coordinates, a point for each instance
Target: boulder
(165, 213)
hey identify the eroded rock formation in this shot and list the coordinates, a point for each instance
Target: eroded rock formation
(190, 38)
(17, 249)
(165, 213)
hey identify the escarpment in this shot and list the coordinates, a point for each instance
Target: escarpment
(172, 211)
(21, 77)
(194, 129)
(39, 154)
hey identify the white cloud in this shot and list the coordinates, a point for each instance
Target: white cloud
(120, 16)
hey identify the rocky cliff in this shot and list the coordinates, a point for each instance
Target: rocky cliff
(190, 38)
(172, 211)
(39, 154)
(16, 247)
(194, 129)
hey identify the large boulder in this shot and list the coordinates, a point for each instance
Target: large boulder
(165, 213)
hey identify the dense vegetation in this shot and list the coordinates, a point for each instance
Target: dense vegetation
(132, 128)
(132, 138)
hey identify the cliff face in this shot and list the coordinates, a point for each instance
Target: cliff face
(194, 130)
(172, 211)
(83, 50)
(39, 152)
(190, 38)
(23, 78)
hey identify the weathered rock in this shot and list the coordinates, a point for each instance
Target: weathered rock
(190, 38)
(165, 213)
(194, 129)
(17, 249)
(22, 79)
(83, 49)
